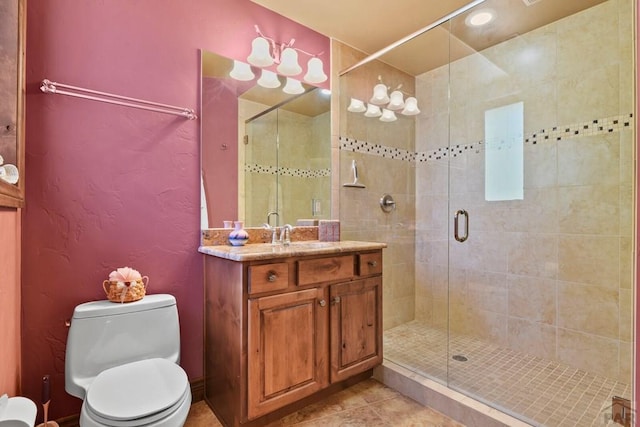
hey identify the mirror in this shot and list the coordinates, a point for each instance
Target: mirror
(265, 154)
(12, 48)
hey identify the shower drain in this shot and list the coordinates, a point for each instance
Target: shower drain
(459, 358)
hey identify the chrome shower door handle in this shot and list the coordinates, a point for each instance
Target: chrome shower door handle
(457, 235)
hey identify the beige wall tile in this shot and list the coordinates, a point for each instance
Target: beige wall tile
(589, 209)
(533, 254)
(625, 373)
(532, 298)
(626, 314)
(532, 338)
(487, 291)
(580, 51)
(591, 94)
(592, 353)
(591, 309)
(589, 160)
(589, 259)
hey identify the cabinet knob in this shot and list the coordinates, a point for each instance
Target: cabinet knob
(373, 263)
(336, 300)
(272, 277)
(322, 303)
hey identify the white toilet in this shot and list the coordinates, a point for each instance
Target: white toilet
(122, 361)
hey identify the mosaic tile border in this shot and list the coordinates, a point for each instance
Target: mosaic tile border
(557, 133)
(294, 172)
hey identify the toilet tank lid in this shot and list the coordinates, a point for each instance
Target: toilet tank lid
(108, 308)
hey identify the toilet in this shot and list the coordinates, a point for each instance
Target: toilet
(122, 361)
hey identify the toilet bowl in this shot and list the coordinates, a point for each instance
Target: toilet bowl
(144, 393)
(122, 360)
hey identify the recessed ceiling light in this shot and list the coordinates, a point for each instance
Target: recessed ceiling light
(480, 17)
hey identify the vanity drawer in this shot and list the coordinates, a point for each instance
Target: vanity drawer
(325, 269)
(268, 277)
(369, 264)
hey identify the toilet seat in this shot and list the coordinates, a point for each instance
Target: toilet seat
(137, 393)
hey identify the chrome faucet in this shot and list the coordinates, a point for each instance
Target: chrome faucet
(274, 233)
(285, 234)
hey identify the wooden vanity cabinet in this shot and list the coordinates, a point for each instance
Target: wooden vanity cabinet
(278, 331)
(286, 349)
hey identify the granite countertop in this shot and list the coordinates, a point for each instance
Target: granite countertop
(261, 251)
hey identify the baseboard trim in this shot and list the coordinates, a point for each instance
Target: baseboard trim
(197, 394)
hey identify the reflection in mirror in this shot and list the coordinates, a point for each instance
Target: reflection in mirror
(12, 35)
(263, 151)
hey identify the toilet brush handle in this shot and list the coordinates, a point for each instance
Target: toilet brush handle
(46, 398)
(46, 389)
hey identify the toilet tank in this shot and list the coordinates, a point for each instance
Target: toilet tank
(104, 334)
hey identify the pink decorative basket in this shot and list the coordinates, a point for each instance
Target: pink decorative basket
(125, 291)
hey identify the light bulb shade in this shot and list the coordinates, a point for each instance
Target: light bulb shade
(289, 63)
(356, 106)
(241, 71)
(411, 107)
(380, 96)
(388, 116)
(315, 72)
(260, 55)
(396, 101)
(269, 79)
(293, 87)
(373, 111)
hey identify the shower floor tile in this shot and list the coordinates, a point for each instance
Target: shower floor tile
(539, 391)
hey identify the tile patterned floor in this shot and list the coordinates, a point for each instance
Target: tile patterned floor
(541, 392)
(366, 404)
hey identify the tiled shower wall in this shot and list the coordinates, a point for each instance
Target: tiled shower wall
(550, 275)
(299, 171)
(361, 217)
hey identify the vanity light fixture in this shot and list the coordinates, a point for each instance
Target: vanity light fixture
(266, 52)
(356, 106)
(293, 86)
(384, 105)
(241, 71)
(269, 79)
(388, 116)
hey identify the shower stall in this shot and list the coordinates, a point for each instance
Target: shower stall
(509, 272)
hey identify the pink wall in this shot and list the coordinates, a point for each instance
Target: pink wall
(110, 186)
(10, 301)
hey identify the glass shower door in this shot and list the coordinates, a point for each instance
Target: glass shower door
(540, 160)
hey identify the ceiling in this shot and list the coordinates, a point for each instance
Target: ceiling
(371, 25)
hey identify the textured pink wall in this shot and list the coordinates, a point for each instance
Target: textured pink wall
(9, 301)
(110, 186)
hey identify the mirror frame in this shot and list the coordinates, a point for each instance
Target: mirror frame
(13, 195)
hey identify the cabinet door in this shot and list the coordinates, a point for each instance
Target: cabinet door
(288, 349)
(356, 327)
